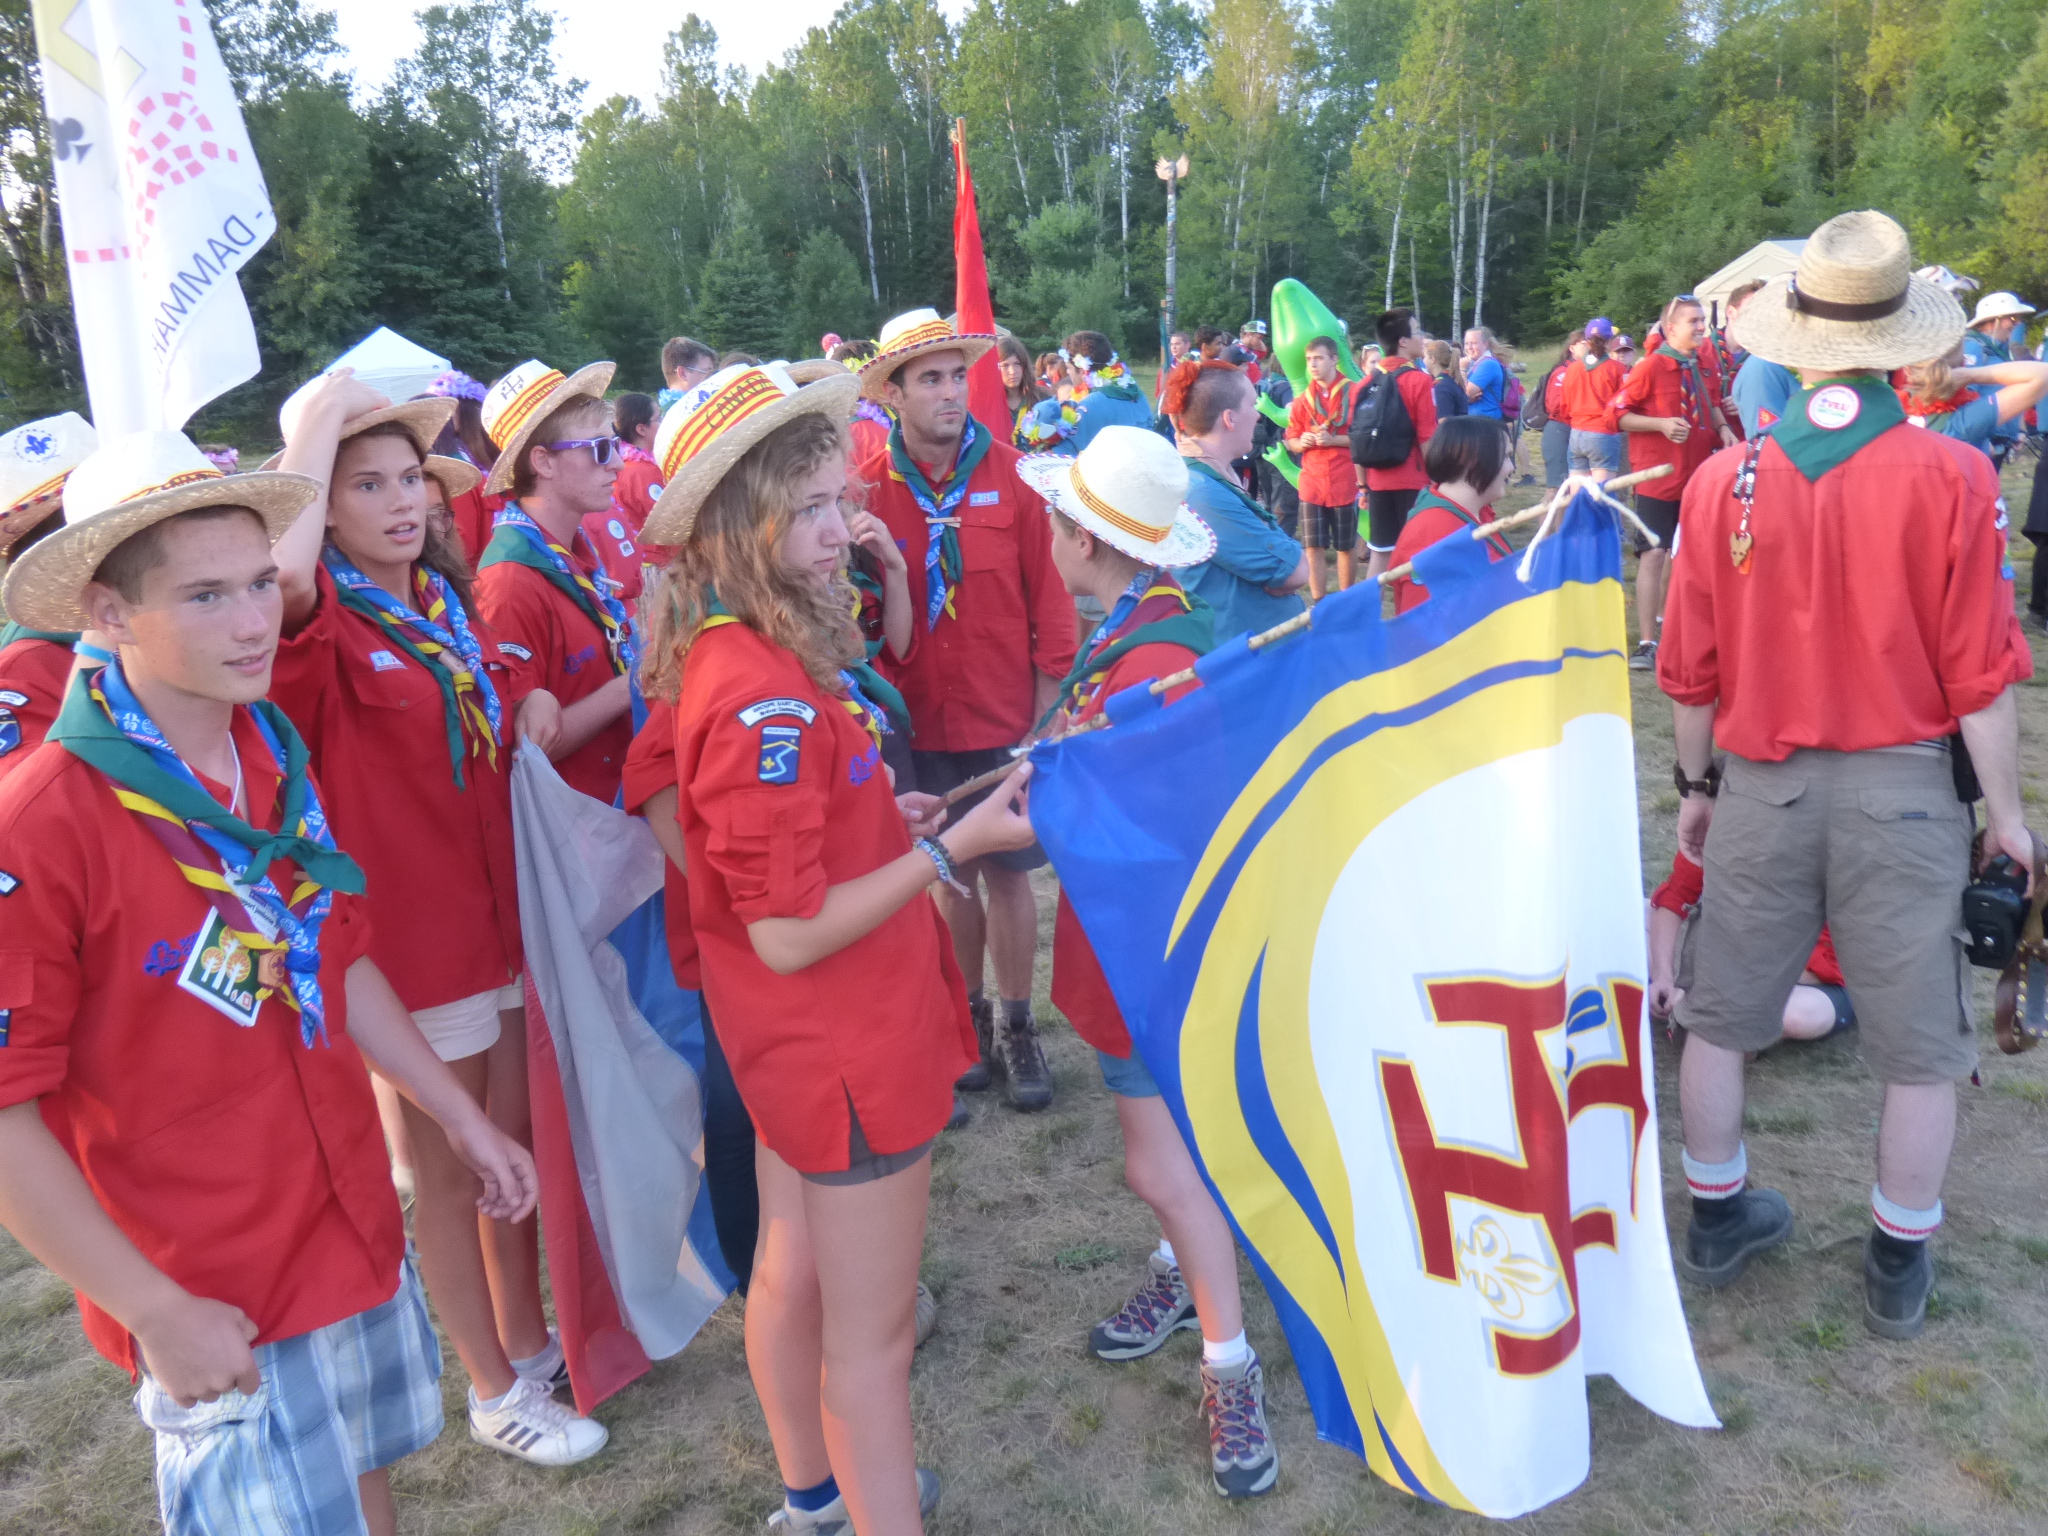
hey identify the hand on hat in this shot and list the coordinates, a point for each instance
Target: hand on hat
(335, 398)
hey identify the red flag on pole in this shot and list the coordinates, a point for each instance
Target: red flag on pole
(986, 397)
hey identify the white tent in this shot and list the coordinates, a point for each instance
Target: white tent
(1760, 263)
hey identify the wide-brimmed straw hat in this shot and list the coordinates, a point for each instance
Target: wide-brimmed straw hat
(1997, 306)
(424, 419)
(1854, 302)
(518, 403)
(711, 428)
(34, 460)
(124, 487)
(1129, 488)
(912, 336)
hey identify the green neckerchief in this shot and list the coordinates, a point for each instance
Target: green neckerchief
(865, 677)
(1431, 498)
(1814, 450)
(87, 734)
(1695, 393)
(1121, 389)
(942, 568)
(1195, 629)
(13, 632)
(508, 544)
(1202, 467)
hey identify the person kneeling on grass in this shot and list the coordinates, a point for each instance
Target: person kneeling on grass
(1115, 541)
(1818, 1005)
(186, 1003)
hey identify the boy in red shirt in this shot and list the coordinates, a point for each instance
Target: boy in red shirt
(191, 1141)
(1390, 492)
(35, 664)
(1319, 429)
(1119, 525)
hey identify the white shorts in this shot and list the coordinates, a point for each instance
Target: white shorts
(469, 1025)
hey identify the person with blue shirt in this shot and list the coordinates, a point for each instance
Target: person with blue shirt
(1256, 572)
(1952, 400)
(2000, 317)
(1105, 395)
(1761, 387)
(1486, 377)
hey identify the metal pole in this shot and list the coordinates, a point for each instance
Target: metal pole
(1172, 245)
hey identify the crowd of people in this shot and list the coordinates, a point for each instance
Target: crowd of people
(256, 744)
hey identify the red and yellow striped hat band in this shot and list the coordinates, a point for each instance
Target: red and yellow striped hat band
(1151, 533)
(512, 401)
(921, 335)
(714, 408)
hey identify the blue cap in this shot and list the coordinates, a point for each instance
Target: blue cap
(1600, 326)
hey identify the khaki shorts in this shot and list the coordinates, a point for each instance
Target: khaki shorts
(1876, 846)
(468, 1026)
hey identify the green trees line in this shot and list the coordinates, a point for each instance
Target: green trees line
(1521, 163)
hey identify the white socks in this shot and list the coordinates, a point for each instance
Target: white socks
(1228, 1353)
(1717, 1181)
(1894, 1220)
(1164, 1252)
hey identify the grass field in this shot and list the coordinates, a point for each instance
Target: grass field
(1033, 1237)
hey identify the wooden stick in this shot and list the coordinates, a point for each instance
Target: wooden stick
(1301, 620)
(982, 781)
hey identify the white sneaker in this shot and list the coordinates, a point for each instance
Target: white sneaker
(550, 1367)
(531, 1425)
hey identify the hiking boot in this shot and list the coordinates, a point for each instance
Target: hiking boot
(531, 1425)
(1896, 1287)
(833, 1519)
(977, 1077)
(1157, 1310)
(1644, 657)
(927, 1312)
(1020, 1060)
(1716, 1254)
(1242, 1456)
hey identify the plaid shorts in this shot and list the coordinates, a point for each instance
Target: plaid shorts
(335, 1403)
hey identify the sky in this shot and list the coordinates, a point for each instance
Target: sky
(615, 45)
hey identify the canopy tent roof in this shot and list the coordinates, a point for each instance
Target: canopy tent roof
(1761, 262)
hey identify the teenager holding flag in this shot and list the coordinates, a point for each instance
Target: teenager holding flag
(407, 706)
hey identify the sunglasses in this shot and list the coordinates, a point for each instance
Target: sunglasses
(602, 449)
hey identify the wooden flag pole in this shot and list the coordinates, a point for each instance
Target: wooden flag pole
(1301, 620)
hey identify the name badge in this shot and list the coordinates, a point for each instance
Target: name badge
(768, 709)
(222, 972)
(507, 648)
(384, 661)
(984, 498)
(13, 696)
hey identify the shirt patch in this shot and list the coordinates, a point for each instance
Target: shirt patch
(11, 696)
(167, 955)
(10, 732)
(507, 648)
(616, 528)
(984, 498)
(221, 972)
(781, 749)
(9, 884)
(6, 1016)
(626, 548)
(386, 661)
(580, 659)
(1766, 418)
(768, 709)
(654, 492)
(1834, 407)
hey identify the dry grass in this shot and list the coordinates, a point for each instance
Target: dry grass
(1033, 1237)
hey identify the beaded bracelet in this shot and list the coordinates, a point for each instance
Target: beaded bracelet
(935, 850)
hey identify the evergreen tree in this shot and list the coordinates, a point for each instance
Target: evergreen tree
(740, 309)
(827, 293)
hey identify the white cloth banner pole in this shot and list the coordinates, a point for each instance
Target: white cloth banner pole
(162, 203)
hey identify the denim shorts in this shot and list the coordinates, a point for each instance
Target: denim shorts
(1595, 450)
(1126, 1076)
(335, 1403)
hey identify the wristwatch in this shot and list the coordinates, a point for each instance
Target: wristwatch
(1710, 786)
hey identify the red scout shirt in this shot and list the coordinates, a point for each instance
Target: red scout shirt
(1418, 393)
(1846, 633)
(473, 511)
(443, 891)
(1328, 477)
(651, 768)
(1589, 395)
(1079, 989)
(1553, 393)
(566, 654)
(1680, 893)
(637, 486)
(248, 1168)
(619, 549)
(784, 794)
(33, 676)
(1656, 387)
(1434, 519)
(969, 681)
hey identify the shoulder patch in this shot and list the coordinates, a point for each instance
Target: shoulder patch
(507, 648)
(781, 751)
(385, 661)
(616, 528)
(9, 884)
(984, 498)
(10, 737)
(768, 709)
(12, 696)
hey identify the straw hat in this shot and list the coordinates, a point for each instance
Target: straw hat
(913, 335)
(1997, 306)
(34, 459)
(123, 488)
(1129, 488)
(424, 419)
(519, 402)
(711, 428)
(457, 476)
(1855, 302)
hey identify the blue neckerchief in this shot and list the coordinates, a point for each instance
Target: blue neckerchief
(301, 935)
(942, 538)
(602, 601)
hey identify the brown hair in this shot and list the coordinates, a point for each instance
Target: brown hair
(1930, 382)
(680, 352)
(129, 561)
(442, 551)
(1030, 390)
(1443, 355)
(733, 556)
(1198, 393)
(1323, 344)
(559, 423)
(1742, 291)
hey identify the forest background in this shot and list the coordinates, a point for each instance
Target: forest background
(1522, 163)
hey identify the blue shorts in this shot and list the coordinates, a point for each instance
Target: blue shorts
(1595, 450)
(335, 1403)
(1126, 1076)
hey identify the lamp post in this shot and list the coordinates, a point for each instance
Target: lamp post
(1172, 172)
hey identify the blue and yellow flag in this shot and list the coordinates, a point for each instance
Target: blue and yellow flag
(1370, 900)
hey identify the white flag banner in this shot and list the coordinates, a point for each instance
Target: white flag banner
(162, 203)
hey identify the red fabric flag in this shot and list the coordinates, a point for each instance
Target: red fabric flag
(986, 397)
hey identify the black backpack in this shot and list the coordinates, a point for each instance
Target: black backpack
(1382, 431)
